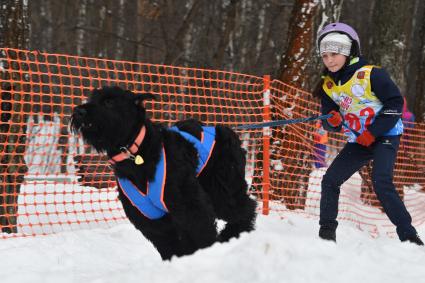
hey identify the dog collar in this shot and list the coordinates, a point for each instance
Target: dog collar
(129, 152)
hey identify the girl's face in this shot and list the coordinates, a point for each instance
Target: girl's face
(333, 61)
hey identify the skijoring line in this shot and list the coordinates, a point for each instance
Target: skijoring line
(292, 121)
(282, 122)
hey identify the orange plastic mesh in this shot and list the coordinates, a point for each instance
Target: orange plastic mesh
(51, 182)
(295, 180)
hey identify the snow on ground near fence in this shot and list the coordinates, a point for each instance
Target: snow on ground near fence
(46, 207)
(279, 250)
(352, 209)
(283, 248)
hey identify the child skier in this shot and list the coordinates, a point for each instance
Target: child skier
(367, 106)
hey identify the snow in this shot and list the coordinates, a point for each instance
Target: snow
(46, 207)
(92, 241)
(279, 250)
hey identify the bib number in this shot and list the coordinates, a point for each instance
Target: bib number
(355, 123)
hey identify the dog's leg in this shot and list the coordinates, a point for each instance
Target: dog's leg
(169, 246)
(163, 235)
(224, 181)
(161, 232)
(166, 245)
(232, 203)
(242, 220)
(194, 217)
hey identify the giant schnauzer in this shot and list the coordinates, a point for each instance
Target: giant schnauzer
(174, 183)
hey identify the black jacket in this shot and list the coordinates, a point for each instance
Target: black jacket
(384, 89)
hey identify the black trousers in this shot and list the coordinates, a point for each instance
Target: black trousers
(352, 157)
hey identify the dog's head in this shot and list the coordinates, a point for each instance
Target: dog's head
(110, 117)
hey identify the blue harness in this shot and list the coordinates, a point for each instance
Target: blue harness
(152, 203)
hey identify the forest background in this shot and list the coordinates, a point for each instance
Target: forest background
(269, 37)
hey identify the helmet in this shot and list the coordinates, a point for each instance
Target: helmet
(341, 28)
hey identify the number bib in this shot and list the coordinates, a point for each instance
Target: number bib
(357, 103)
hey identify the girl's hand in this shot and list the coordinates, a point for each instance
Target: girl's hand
(336, 119)
(365, 139)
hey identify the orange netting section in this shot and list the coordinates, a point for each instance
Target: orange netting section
(50, 181)
(299, 159)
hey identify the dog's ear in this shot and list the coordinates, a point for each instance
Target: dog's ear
(139, 98)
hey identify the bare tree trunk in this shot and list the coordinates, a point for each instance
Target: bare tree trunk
(177, 42)
(413, 31)
(300, 66)
(390, 48)
(297, 69)
(300, 44)
(14, 33)
(390, 38)
(81, 22)
(416, 76)
(229, 27)
(148, 13)
(120, 30)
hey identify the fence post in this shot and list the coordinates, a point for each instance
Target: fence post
(266, 145)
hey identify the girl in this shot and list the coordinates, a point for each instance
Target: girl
(367, 106)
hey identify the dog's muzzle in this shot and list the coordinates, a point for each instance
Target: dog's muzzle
(78, 119)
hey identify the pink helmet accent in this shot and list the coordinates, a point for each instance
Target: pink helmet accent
(341, 28)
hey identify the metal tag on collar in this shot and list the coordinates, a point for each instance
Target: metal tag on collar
(138, 160)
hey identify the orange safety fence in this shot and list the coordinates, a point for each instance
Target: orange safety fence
(51, 182)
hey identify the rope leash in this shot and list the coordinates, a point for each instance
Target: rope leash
(282, 122)
(292, 121)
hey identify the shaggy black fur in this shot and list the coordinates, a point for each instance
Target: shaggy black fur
(111, 119)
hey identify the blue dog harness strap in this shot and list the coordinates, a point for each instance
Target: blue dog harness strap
(204, 146)
(152, 204)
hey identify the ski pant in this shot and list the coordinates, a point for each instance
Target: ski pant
(352, 157)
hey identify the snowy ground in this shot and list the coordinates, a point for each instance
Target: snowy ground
(280, 250)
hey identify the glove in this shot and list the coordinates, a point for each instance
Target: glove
(365, 139)
(335, 120)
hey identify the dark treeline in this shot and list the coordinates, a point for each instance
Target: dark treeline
(245, 36)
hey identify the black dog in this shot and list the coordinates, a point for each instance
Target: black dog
(180, 213)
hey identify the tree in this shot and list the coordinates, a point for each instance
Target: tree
(389, 40)
(299, 66)
(416, 69)
(14, 34)
(397, 45)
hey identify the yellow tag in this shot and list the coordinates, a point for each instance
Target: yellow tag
(138, 160)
